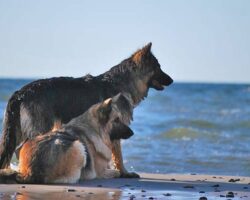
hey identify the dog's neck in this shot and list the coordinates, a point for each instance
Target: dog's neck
(123, 79)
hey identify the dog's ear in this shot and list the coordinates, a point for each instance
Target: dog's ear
(104, 110)
(122, 102)
(142, 54)
(120, 131)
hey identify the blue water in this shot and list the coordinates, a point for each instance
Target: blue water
(187, 128)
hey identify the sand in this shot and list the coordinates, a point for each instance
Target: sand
(149, 186)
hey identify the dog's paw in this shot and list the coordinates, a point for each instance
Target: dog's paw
(111, 173)
(130, 175)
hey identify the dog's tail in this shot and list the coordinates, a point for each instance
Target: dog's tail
(10, 176)
(11, 127)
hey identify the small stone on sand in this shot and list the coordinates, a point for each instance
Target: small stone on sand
(167, 194)
(71, 190)
(216, 185)
(189, 186)
(230, 194)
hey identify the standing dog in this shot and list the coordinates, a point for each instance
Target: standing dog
(80, 150)
(44, 104)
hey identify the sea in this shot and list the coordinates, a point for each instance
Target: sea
(196, 128)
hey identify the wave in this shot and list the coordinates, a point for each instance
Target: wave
(189, 133)
(180, 133)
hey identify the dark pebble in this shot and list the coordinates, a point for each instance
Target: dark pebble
(151, 198)
(214, 177)
(233, 180)
(222, 195)
(99, 185)
(167, 194)
(245, 188)
(203, 198)
(71, 190)
(201, 192)
(217, 185)
(216, 190)
(230, 194)
(132, 188)
(23, 186)
(172, 179)
(78, 195)
(143, 195)
(143, 190)
(91, 193)
(188, 186)
(132, 197)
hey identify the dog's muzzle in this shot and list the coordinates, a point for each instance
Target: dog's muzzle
(159, 80)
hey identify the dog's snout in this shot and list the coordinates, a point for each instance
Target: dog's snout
(165, 79)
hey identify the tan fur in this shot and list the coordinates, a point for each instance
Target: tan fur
(57, 125)
(138, 56)
(68, 167)
(117, 156)
(25, 159)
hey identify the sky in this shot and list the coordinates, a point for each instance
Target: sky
(194, 41)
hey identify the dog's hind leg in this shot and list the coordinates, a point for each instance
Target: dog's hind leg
(118, 161)
(68, 168)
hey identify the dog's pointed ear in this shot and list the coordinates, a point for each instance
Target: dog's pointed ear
(104, 110)
(141, 54)
(122, 103)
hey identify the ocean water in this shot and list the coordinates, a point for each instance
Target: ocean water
(187, 128)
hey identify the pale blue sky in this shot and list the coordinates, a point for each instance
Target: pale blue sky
(193, 40)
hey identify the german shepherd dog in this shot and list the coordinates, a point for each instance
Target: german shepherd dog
(45, 104)
(80, 150)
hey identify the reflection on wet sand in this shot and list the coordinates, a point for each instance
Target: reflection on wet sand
(61, 195)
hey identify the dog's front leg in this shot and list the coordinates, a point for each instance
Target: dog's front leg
(118, 161)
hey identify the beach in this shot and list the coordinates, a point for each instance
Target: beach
(149, 186)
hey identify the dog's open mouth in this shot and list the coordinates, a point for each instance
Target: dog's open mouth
(157, 85)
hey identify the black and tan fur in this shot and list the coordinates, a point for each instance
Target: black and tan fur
(80, 150)
(43, 104)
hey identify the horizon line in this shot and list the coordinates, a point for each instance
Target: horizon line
(175, 81)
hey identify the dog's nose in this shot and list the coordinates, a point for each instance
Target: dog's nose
(170, 80)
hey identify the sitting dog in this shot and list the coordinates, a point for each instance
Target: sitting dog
(80, 150)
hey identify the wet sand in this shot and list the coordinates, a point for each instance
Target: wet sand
(149, 186)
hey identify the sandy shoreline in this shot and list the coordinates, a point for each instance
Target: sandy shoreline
(149, 186)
